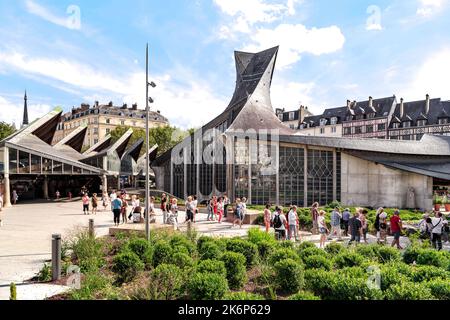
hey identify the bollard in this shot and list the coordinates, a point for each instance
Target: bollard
(91, 228)
(56, 257)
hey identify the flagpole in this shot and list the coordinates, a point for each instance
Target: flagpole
(147, 157)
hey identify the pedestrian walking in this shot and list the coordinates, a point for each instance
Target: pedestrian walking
(220, 209)
(209, 210)
(94, 201)
(164, 207)
(355, 227)
(336, 218)
(226, 203)
(116, 207)
(267, 217)
(173, 214)
(214, 207)
(279, 223)
(436, 230)
(323, 230)
(376, 223)
(396, 227)
(195, 204)
(346, 215)
(238, 213)
(365, 224)
(383, 227)
(124, 207)
(105, 200)
(85, 201)
(15, 197)
(189, 209)
(293, 223)
(314, 216)
(244, 208)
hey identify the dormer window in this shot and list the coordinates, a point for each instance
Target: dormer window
(443, 120)
(349, 118)
(359, 117)
(323, 121)
(396, 125)
(370, 115)
(333, 120)
(421, 123)
(406, 124)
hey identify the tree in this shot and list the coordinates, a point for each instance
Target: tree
(6, 130)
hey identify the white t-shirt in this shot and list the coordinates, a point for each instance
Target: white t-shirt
(292, 217)
(282, 218)
(113, 196)
(437, 224)
(321, 221)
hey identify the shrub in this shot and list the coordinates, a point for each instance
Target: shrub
(179, 240)
(242, 295)
(306, 244)
(432, 258)
(166, 282)
(311, 251)
(304, 295)
(248, 249)
(12, 291)
(288, 275)
(389, 275)
(45, 274)
(386, 254)
(209, 250)
(182, 260)
(348, 259)
(339, 286)
(411, 253)
(281, 254)
(256, 235)
(141, 248)
(440, 289)
(305, 221)
(287, 244)
(211, 266)
(334, 248)
(162, 252)
(87, 251)
(409, 291)
(265, 248)
(235, 268)
(425, 273)
(92, 287)
(126, 265)
(207, 286)
(317, 262)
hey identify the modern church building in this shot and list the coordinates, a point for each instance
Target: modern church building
(247, 152)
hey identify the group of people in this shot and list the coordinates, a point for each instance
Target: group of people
(435, 228)
(285, 227)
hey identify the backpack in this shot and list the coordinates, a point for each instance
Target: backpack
(277, 221)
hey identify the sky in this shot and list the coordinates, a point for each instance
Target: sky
(65, 53)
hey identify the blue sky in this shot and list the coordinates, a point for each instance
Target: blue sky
(68, 52)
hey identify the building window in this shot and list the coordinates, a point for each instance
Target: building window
(108, 131)
(396, 125)
(322, 130)
(95, 141)
(108, 121)
(347, 131)
(291, 176)
(381, 127)
(358, 130)
(291, 115)
(443, 121)
(333, 129)
(421, 123)
(333, 120)
(95, 130)
(406, 124)
(349, 118)
(359, 117)
(292, 126)
(370, 115)
(369, 129)
(323, 121)
(122, 122)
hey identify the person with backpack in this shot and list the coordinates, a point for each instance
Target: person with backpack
(335, 224)
(279, 223)
(293, 222)
(436, 230)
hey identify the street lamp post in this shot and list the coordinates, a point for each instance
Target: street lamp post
(147, 146)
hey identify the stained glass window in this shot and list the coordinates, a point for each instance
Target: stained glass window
(292, 176)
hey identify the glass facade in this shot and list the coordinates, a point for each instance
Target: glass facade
(241, 166)
(12, 160)
(320, 176)
(292, 176)
(178, 180)
(263, 174)
(24, 162)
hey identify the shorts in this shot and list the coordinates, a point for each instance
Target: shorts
(322, 230)
(281, 232)
(396, 235)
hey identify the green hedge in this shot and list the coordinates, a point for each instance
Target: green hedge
(281, 254)
(317, 262)
(243, 295)
(235, 268)
(126, 265)
(211, 266)
(409, 291)
(248, 249)
(166, 282)
(288, 275)
(207, 286)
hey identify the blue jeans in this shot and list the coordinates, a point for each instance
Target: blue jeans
(355, 237)
(210, 215)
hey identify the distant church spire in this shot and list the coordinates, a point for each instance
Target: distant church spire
(25, 111)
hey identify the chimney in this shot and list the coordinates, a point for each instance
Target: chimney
(157, 111)
(427, 103)
(96, 103)
(110, 104)
(124, 106)
(370, 102)
(402, 108)
(301, 114)
(349, 106)
(354, 103)
(134, 106)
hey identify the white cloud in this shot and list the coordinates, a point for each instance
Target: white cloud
(71, 21)
(289, 94)
(13, 112)
(296, 39)
(187, 104)
(428, 8)
(431, 77)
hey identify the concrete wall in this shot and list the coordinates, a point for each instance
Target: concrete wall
(366, 183)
